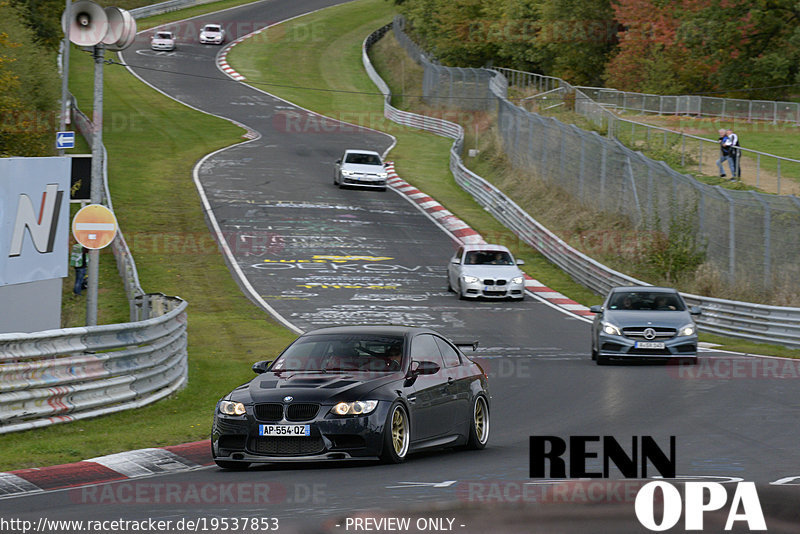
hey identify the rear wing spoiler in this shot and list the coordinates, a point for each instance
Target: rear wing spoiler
(463, 344)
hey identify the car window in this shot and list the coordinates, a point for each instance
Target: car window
(362, 159)
(646, 300)
(425, 349)
(211, 29)
(163, 35)
(342, 352)
(488, 257)
(450, 355)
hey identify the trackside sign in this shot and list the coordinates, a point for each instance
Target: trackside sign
(34, 219)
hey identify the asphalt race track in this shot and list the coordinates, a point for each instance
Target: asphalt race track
(320, 255)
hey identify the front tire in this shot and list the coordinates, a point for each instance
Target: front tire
(396, 435)
(479, 424)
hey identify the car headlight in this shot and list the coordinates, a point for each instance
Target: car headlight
(355, 408)
(347, 173)
(231, 408)
(518, 280)
(687, 330)
(470, 279)
(611, 329)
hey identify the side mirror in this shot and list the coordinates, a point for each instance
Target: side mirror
(596, 309)
(456, 261)
(261, 367)
(338, 162)
(520, 262)
(424, 368)
(695, 310)
(385, 164)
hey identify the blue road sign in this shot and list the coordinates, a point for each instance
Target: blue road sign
(65, 140)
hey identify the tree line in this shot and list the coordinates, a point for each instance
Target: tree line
(735, 48)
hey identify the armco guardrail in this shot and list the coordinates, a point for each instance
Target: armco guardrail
(165, 7)
(773, 324)
(68, 374)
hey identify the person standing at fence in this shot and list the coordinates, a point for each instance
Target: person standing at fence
(725, 154)
(735, 153)
(79, 259)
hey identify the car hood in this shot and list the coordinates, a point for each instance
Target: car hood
(163, 41)
(313, 387)
(363, 169)
(644, 318)
(491, 271)
(207, 33)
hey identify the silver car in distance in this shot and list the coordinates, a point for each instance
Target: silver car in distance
(488, 271)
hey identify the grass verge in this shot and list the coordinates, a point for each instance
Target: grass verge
(153, 143)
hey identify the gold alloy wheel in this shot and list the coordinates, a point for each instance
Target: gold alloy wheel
(481, 419)
(399, 432)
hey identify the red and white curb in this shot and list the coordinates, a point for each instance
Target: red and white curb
(222, 61)
(468, 236)
(110, 468)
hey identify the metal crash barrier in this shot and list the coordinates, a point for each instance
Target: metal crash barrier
(67, 374)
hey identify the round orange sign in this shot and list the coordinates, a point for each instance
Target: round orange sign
(94, 226)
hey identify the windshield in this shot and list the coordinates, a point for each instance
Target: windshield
(163, 35)
(342, 352)
(646, 300)
(488, 257)
(211, 29)
(363, 159)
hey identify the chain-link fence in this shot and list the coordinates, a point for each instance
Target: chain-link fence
(752, 237)
(769, 171)
(703, 106)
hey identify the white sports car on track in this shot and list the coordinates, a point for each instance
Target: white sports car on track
(485, 271)
(362, 168)
(212, 34)
(163, 40)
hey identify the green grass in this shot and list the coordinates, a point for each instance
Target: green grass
(153, 143)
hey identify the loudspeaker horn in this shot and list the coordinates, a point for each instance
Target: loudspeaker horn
(87, 22)
(122, 29)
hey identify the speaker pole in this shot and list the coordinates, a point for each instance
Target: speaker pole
(97, 180)
(62, 122)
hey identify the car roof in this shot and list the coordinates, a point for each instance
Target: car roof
(493, 248)
(649, 289)
(355, 151)
(392, 330)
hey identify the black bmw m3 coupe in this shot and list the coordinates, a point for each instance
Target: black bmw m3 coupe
(355, 392)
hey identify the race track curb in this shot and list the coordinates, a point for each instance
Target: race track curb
(110, 468)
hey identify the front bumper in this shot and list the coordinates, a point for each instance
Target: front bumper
(480, 290)
(211, 40)
(235, 438)
(364, 180)
(611, 346)
(167, 47)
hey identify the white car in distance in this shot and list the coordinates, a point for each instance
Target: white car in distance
(360, 168)
(488, 271)
(163, 40)
(212, 34)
